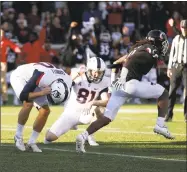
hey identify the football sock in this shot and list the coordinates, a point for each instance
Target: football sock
(33, 137)
(160, 121)
(19, 131)
(85, 135)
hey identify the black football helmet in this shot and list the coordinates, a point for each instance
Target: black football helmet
(159, 39)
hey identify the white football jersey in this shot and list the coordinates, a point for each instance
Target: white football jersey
(51, 73)
(84, 93)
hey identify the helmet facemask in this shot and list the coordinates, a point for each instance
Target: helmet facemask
(165, 46)
(95, 76)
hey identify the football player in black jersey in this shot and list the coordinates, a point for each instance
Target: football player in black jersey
(141, 58)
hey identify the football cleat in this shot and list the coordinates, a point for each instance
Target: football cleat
(80, 144)
(19, 143)
(163, 131)
(33, 147)
(91, 141)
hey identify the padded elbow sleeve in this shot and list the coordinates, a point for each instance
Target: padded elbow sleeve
(24, 96)
(30, 86)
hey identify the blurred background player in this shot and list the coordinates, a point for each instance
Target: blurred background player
(32, 83)
(5, 44)
(89, 89)
(104, 48)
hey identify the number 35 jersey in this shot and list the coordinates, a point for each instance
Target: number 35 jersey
(84, 93)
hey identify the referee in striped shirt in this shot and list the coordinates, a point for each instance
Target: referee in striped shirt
(177, 69)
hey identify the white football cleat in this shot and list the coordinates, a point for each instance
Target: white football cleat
(33, 147)
(91, 141)
(163, 131)
(80, 144)
(19, 143)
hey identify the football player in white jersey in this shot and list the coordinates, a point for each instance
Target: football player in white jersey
(85, 91)
(34, 84)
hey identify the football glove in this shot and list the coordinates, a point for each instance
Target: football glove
(118, 84)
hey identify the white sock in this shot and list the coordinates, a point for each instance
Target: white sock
(33, 137)
(85, 135)
(19, 131)
(160, 121)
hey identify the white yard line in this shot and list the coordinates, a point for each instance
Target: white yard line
(145, 110)
(139, 111)
(119, 155)
(104, 130)
(112, 154)
(134, 118)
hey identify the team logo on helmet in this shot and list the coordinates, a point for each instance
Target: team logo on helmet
(162, 36)
(55, 94)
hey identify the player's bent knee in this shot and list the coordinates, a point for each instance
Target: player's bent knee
(51, 136)
(45, 110)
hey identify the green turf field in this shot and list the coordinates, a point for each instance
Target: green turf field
(127, 145)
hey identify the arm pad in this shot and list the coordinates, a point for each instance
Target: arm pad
(31, 85)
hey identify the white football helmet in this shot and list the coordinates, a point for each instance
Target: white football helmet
(59, 92)
(95, 69)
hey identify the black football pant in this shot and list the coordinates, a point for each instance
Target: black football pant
(179, 73)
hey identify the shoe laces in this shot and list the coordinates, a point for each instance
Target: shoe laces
(20, 141)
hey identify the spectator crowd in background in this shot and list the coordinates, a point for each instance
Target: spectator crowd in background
(66, 33)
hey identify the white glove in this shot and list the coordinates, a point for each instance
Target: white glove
(119, 84)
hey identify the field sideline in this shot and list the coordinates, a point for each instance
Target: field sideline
(127, 145)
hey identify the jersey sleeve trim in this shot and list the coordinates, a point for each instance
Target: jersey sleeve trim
(38, 80)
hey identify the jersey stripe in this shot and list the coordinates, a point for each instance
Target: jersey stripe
(39, 78)
(98, 63)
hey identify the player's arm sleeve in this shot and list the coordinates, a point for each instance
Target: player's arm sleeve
(31, 85)
(12, 45)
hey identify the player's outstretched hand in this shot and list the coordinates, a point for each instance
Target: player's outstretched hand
(118, 84)
(46, 91)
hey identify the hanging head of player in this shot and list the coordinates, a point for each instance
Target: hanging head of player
(59, 92)
(95, 69)
(159, 39)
